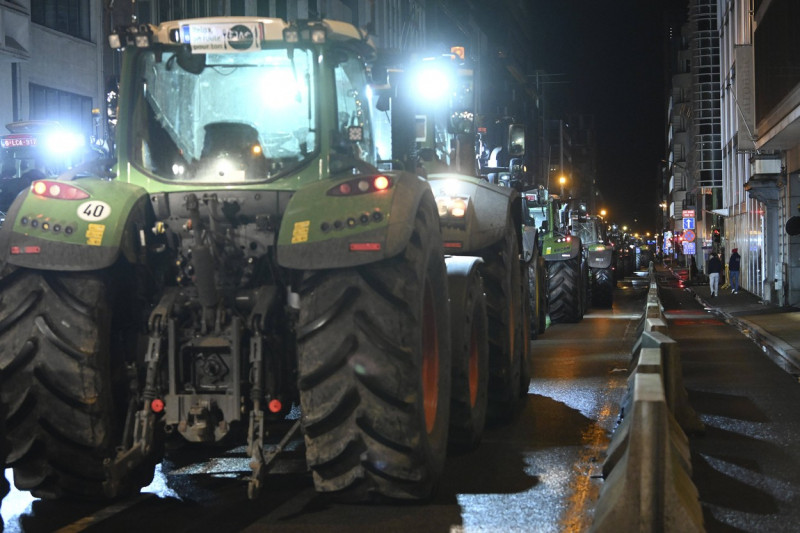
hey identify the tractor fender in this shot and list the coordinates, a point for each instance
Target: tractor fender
(321, 229)
(461, 266)
(76, 234)
(489, 207)
(599, 258)
(561, 251)
(530, 243)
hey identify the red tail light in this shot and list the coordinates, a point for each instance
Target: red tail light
(57, 189)
(362, 185)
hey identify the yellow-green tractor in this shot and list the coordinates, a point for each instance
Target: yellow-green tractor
(248, 275)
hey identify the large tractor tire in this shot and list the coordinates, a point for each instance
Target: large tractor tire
(537, 296)
(629, 265)
(586, 286)
(374, 371)
(470, 361)
(565, 289)
(603, 287)
(544, 306)
(526, 364)
(62, 381)
(507, 308)
(619, 268)
(3, 454)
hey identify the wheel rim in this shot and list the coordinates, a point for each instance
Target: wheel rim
(430, 360)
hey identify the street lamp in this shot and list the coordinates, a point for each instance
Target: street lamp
(562, 180)
(603, 213)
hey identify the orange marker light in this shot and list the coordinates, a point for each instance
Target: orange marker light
(381, 183)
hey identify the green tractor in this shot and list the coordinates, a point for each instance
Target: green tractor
(432, 122)
(567, 270)
(599, 252)
(623, 256)
(247, 275)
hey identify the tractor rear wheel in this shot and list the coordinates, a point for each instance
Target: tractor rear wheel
(470, 361)
(62, 381)
(543, 305)
(506, 307)
(603, 287)
(3, 453)
(374, 371)
(564, 289)
(536, 297)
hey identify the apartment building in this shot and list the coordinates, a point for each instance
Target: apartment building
(50, 62)
(760, 96)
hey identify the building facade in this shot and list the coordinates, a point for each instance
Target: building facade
(51, 56)
(694, 159)
(760, 95)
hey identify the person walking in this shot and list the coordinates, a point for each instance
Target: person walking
(714, 270)
(734, 266)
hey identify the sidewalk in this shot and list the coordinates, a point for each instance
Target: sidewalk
(773, 327)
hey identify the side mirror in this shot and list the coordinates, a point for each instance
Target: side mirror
(516, 139)
(384, 103)
(793, 226)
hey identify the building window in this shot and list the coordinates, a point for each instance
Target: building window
(237, 7)
(281, 10)
(67, 16)
(71, 110)
(158, 11)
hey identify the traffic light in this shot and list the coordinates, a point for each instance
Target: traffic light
(715, 236)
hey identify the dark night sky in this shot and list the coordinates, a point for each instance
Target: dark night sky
(612, 55)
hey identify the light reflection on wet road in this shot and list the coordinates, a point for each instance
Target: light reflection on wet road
(540, 473)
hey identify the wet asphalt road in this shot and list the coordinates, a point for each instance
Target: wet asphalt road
(746, 466)
(538, 473)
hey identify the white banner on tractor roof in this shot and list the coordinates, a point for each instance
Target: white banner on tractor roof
(222, 37)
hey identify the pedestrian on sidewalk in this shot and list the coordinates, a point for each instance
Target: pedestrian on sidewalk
(734, 265)
(714, 270)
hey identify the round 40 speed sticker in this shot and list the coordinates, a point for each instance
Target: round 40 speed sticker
(94, 210)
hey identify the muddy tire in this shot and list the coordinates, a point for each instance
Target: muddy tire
(374, 371)
(565, 290)
(470, 360)
(586, 287)
(506, 306)
(537, 296)
(603, 287)
(61, 389)
(3, 454)
(544, 306)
